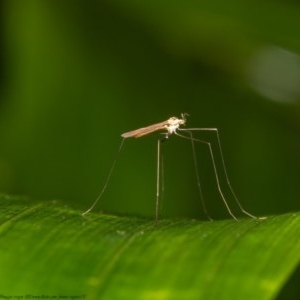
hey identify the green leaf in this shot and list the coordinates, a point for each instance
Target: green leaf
(50, 250)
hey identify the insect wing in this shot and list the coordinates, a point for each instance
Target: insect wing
(145, 130)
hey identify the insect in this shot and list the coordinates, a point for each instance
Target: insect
(170, 127)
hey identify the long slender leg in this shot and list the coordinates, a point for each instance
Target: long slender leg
(160, 181)
(227, 178)
(198, 177)
(218, 182)
(223, 166)
(162, 177)
(106, 181)
(215, 171)
(157, 180)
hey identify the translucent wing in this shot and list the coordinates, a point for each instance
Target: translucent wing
(145, 130)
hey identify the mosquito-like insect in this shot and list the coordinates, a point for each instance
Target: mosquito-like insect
(172, 126)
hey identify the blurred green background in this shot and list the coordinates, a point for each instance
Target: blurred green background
(77, 74)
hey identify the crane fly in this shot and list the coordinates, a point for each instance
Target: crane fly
(172, 126)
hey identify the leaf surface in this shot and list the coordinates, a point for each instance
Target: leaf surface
(49, 249)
